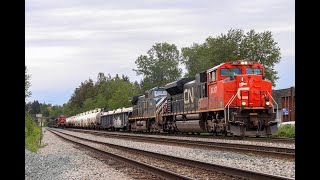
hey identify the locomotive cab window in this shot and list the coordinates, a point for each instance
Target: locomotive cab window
(213, 76)
(254, 71)
(230, 71)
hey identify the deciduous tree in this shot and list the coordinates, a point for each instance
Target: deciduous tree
(234, 45)
(159, 66)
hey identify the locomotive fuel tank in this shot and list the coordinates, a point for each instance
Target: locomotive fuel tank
(190, 123)
(194, 126)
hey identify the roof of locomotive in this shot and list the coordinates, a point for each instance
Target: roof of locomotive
(190, 82)
(216, 67)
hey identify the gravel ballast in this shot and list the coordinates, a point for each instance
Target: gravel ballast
(245, 161)
(60, 160)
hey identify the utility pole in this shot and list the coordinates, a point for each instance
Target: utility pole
(39, 116)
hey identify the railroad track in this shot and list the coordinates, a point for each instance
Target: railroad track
(225, 171)
(244, 148)
(247, 138)
(208, 135)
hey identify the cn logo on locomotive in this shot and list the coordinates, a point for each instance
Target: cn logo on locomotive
(188, 95)
(242, 84)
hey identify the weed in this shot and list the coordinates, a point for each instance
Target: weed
(287, 131)
(32, 134)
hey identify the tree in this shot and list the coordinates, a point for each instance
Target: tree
(108, 93)
(28, 107)
(234, 45)
(159, 66)
(27, 83)
(101, 78)
(262, 48)
(125, 78)
(86, 90)
(35, 107)
(196, 59)
(44, 109)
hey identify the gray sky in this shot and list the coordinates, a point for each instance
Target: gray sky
(68, 42)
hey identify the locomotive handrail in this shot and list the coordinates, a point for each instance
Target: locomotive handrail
(272, 104)
(228, 104)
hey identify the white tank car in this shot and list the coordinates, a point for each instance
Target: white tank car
(76, 120)
(84, 119)
(70, 121)
(88, 119)
(81, 119)
(93, 118)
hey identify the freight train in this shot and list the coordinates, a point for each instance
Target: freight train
(232, 98)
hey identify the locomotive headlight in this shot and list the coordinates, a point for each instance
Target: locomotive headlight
(245, 63)
(243, 103)
(267, 103)
(242, 62)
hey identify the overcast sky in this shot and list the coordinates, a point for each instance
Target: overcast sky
(70, 41)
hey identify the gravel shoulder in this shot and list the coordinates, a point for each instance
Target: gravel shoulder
(61, 160)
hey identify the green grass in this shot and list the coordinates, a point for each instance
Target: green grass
(32, 134)
(286, 131)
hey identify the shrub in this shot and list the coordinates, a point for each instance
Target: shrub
(32, 134)
(287, 131)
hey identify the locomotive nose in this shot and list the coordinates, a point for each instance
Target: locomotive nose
(243, 90)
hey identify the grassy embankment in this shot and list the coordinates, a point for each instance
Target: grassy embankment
(32, 134)
(286, 131)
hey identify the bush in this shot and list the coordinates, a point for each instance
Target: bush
(32, 134)
(287, 131)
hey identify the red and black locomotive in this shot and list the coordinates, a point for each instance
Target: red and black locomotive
(231, 98)
(59, 122)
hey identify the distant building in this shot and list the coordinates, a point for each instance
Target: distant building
(285, 99)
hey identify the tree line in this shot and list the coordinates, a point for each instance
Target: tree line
(160, 65)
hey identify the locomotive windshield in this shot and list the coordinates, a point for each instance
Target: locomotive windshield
(230, 71)
(254, 71)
